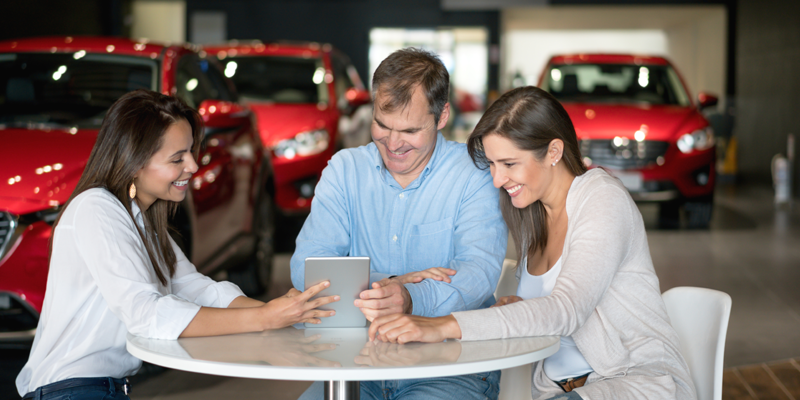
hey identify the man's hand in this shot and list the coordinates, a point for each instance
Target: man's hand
(387, 296)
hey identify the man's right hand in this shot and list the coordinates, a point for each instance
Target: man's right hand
(387, 296)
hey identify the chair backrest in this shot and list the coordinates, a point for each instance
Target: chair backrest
(507, 285)
(700, 317)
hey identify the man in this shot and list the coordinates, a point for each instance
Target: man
(411, 201)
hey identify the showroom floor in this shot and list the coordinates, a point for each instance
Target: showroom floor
(751, 251)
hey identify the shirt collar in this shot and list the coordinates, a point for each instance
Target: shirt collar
(137, 214)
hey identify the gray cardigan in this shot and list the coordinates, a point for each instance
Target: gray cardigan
(607, 298)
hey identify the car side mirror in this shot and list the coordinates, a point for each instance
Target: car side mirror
(706, 100)
(357, 97)
(219, 114)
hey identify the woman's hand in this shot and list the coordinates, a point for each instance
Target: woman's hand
(404, 328)
(435, 273)
(294, 307)
(507, 300)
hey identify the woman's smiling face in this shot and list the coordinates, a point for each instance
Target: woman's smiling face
(517, 171)
(167, 173)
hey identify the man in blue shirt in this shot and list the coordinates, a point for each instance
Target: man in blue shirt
(410, 201)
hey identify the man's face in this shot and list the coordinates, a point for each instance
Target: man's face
(406, 137)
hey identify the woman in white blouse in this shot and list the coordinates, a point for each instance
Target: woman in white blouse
(114, 268)
(585, 268)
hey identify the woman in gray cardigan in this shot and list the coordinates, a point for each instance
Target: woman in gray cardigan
(587, 277)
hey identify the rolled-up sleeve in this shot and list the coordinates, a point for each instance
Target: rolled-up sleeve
(106, 238)
(199, 289)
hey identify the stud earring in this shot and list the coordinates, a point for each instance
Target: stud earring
(554, 162)
(132, 190)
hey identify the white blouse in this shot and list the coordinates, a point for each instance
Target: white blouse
(100, 286)
(568, 361)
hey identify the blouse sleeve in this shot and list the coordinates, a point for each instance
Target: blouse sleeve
(117, 260)
(200, 289)
(598, 244)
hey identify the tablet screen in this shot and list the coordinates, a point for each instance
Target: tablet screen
(349, 276)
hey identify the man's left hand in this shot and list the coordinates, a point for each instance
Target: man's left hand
(387, 296)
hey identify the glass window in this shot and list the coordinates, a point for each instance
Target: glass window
(193, 86)
(615, 83)
(74, 89)
(278, 79)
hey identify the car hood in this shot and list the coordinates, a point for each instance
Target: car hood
(605, 121)
(277, 122)
(41, 167)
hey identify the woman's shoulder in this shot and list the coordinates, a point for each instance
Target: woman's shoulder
(93, 204)
(598, 187)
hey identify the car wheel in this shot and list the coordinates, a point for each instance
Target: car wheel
(253, 277)
(669, 215)
(698, 212)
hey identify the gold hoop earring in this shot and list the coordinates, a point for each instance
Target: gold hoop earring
(132, 190)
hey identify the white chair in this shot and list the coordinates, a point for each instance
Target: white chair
(515, 383)
(700, 316)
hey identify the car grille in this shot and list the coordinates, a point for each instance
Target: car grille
(7, 225)
(629, 154)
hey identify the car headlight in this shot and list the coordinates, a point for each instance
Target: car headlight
(303, 144)
(700, 139)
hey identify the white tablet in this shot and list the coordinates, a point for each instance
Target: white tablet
(349, 276)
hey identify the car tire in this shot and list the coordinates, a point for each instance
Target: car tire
(253, 277)
(698, 212)
(669, 216)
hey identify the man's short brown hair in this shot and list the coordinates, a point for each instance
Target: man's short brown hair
(399, 74)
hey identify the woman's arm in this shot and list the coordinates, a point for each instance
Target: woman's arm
(404, 328)
(292, 308)
(245, 302)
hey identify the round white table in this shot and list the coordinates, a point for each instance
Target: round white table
(342, 357)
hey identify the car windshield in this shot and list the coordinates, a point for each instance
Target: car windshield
(278, 79)
(616, 83)
(72, 89)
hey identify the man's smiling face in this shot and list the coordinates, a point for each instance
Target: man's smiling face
(406, 136)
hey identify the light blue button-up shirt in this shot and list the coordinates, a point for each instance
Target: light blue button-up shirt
(448, 217)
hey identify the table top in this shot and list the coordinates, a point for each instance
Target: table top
(340, 354)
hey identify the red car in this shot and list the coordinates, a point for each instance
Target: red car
(634, 116)
(54, 94)
(308, 101)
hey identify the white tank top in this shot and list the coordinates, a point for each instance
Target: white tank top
(568, 362)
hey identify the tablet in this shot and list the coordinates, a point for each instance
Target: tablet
(349, 276)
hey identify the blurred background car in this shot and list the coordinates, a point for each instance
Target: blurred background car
(633, 116)
(309, 102)
(54, 94)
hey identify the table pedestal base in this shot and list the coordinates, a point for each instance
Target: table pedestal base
(342, 390)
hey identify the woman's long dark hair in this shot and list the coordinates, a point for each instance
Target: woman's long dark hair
(530, 118)
(131, 133)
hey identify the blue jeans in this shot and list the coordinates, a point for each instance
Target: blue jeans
(81, 393)
(482, 386)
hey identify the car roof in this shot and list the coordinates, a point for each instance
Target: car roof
(603, 58)
(257, 48)
(90, 44)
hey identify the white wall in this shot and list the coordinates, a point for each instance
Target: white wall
(693, 38)
(162, 21)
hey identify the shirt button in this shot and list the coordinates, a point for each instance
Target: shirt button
(394, 238)
(401, 195)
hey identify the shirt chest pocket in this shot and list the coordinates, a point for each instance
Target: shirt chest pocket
(430, 245)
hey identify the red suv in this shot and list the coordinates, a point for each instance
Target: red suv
(308, 101)
(54, 94)
(634, 116)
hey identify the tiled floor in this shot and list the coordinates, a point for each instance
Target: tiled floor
(775, 380)
(752, 252)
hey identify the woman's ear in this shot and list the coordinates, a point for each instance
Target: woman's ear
(555, 151)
